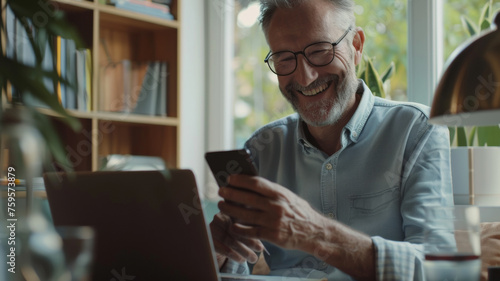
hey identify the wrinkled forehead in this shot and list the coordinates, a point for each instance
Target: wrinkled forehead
(309, 22)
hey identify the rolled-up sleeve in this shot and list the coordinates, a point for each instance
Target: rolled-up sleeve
(398, 260)
(426, 181)
(232, 266)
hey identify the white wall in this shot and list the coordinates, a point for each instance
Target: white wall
(193, 88)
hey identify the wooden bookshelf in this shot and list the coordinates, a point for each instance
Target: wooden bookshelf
(128, 36)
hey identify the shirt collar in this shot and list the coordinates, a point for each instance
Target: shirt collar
(301, 134)
(357, 121)
(359, 118)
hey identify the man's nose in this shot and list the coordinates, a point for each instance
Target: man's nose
(305, 73)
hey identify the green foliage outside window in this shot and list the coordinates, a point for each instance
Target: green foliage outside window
(258, 100)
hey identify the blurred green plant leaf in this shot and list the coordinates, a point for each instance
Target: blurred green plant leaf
(485, 24)
(485, 13)
(469, 26)
(372, 79)
(452, 131)
(472, 136)
(461, 137)
(389, 72)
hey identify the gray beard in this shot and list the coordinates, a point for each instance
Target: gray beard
(326, 111)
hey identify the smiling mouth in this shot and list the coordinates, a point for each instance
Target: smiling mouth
(316, 91)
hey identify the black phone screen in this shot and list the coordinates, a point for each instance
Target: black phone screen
(230, 162)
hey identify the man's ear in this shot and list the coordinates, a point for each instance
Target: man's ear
(358, 41)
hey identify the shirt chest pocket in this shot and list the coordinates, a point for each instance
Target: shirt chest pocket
(374, 207)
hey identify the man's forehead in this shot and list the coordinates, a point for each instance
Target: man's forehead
(315, 20)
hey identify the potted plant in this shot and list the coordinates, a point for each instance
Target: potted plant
(377, 83)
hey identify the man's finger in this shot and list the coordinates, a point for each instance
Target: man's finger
(249, 199)
(255, 184)
(257, 232)
(243, 215)
(224, 250)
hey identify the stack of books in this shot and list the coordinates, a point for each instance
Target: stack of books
(73, 65)
(134, 87)
(160, 8)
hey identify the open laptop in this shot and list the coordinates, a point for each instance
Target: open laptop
(148, 226)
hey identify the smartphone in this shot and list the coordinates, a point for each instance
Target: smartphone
(230, 162)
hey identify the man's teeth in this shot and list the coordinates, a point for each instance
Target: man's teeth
(315, 91)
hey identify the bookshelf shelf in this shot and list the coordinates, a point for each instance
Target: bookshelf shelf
(118, 117)
(134, 20)
(137, 118)
(69, 5)
(75, 113)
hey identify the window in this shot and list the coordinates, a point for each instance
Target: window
(385, 27)
(417, 35)
(257, 99)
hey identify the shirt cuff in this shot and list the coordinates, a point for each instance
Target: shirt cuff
(234, 267)
(395, 260)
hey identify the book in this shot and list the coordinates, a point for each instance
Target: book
(61, 70)
(24, 54)
(70, 71)
(125, 98)
(163, 8)
(88, 79)
(146, 102)
(139, 70)
(161, 105)
(142, 9)
(81, 103)
(164, 2)
(48, 65)
(10, 22)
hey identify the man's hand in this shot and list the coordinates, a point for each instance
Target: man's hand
(268, 211)
(264, 210)
(230, 245)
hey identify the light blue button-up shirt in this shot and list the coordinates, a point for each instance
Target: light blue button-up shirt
(392, 165)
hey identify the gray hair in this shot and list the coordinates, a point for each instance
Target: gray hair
(268, 7)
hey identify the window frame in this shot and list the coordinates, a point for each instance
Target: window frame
(425, 49)
(220, 52)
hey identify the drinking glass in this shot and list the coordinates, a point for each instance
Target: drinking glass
(78, 245)
(452, 243)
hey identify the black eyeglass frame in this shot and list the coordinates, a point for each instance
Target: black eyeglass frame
(266, 60)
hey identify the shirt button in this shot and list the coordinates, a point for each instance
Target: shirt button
(331, 215)
(329, 166)
(354, 134)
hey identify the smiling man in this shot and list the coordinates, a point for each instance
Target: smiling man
(344, 182)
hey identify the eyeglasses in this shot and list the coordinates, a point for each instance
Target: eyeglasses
(317, 54)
